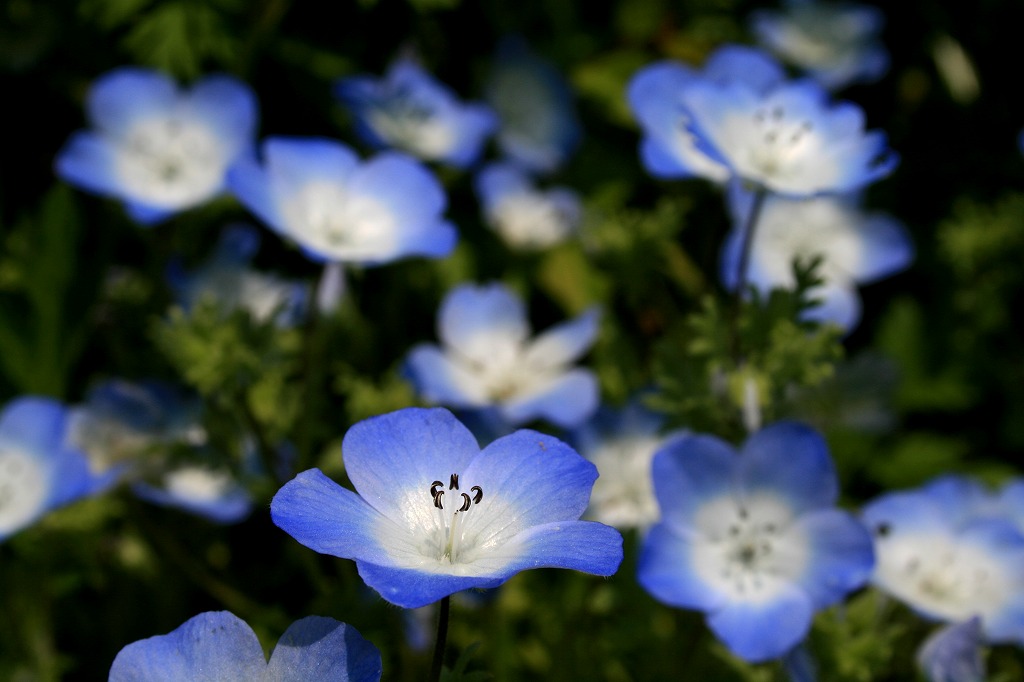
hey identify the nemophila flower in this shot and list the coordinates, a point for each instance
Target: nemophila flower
(228, 280)
(158, 148)
(213, 493)
(489, 360)
(668, 148)
(523, 216)
(218, 646)
(38, 470)
(622, 443)
(953, 654)
(538, 128)
(789, 140)
(434, 514)
(753, 539)
(947, 563)
(337, 208)
(855, 248)
(836, 43)
(410, 110)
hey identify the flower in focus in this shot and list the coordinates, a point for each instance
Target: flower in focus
(622, 444)
(209, 492)
(949, 560)
(788, 140)
(218, 646)
(158, 148)
(435, 514)
(953, 654)
(539, 128)
(668, 148)
(488, 359)
(836, 43)
(227, 279)
(38, 470)
(855, 248)
(753, 539)
(318, 193)
(524, 216)
(409, 110)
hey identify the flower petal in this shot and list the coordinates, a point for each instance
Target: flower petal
(689, 472)
(88, 161)
(483, 323)
(793, 460)
(440, 379)
(666, 570)
(760, 631)
(122, 97)
(318, 648)
(585, 546)
(564, 342)
(411, 589)
(566, 401)
(841, 557)
(229, 107)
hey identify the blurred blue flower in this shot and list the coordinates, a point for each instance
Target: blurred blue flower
(836, 43)
(318, 193)
(218, 646)
(227, 279)
(621, 444)
(212, 493)
(668, 149)
(522, 215)
(789, 140)
(410, 110)
(953, 654)
(753, 539)
(488, 359)
(158, 148)
(435, 515)
(855, 247)
(539, 127)
(947, 559)
(38, 469)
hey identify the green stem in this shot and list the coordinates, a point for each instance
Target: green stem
(441, 641)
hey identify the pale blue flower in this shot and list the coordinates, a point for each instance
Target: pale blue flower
(539, 127)
(434, 514)
(337, 208)
(227, 279)
(753, 538)
(856, 248)
(39, 471)
(949, 562)
(524, 216)
(211, 492)
(836, 43)
(218, 646)
(489, 360)
(410, 110)
(668, 148)
(953, 653)
(158, 148)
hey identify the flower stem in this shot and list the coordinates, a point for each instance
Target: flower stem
(742, 267)
(441, 641)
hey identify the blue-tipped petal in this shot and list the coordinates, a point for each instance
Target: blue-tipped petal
(123, 97)
(665, 569)
(585, 546)
(147, 215)
(790, 460)
(745, 65)
(688, 473)
(842, 558)
(497, 180)
(216, 646)
(412, 589)
(228, 106)
(758, 632)
(567, 401)
(886, 248)
(440, 380)
(293, 162)
(87, 161)
(393, 459)
(953, 653)
(565, 342)
(479, 321)
(838, 303)
(34, 424)
(905, 513)
(251, 185)
(316, 648)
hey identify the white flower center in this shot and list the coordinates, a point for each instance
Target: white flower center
(623, 494)
(532, 219)
(777, 141)
(451, 504)
(339, 222)
(23, 489)
(197, 484)
(170, 162)
(411, 123)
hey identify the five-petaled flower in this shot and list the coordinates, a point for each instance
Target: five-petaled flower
(155, 147)
(753, 539)
(487, 360)
(218, 646)
(523, 216)
(435, 514)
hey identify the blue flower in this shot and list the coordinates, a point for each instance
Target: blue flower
(622, 444)
(218, 646)
(790, 140)
(155, 147)
(39, 471)
(209, 492)
(855, 247)
(753, 539)
(836, 43)
(524, 216)
(539, 127)
(410, 110)
(953, 654)
(949, 559)
(227, 279)
(488, 359)
(317, 193)
(668, 149)
(435, 514)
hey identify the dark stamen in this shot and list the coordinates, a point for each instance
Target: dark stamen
(454, 484)
(465, 503)
(434, 486)
(437, 499)
(479, 494)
